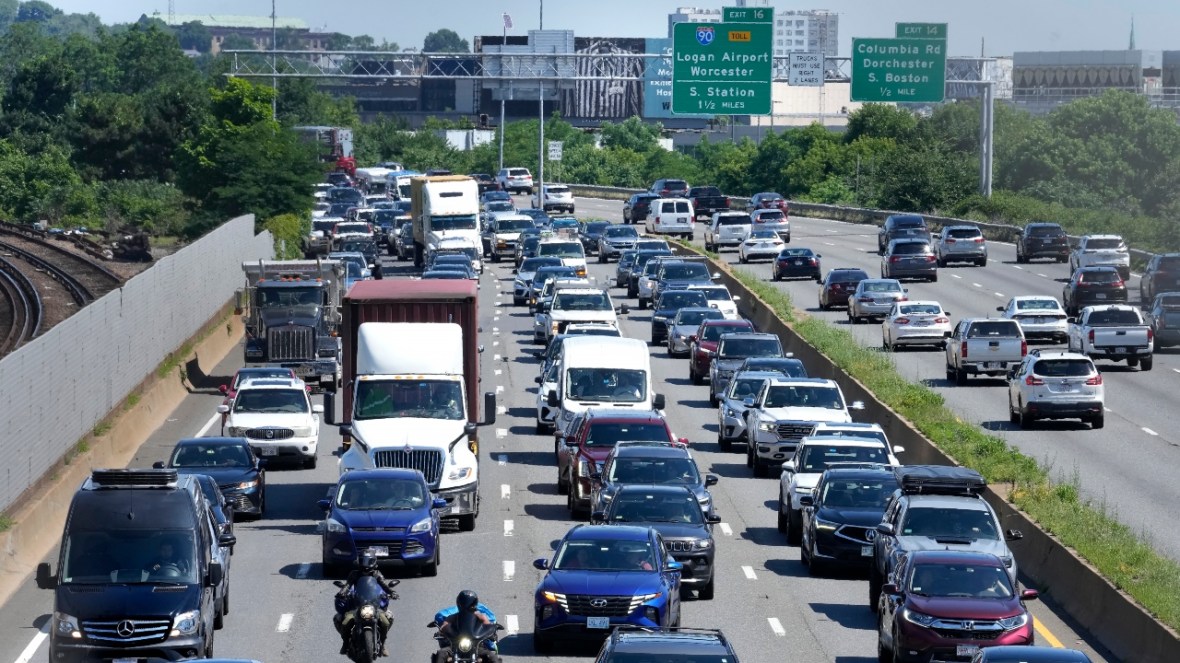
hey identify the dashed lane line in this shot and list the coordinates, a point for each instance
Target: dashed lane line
(977, 285)
(508, 527)
(285, 622)
(498, 371)
(495, 357)
(512, 624)
(726, 529)
(499, 389)
(505, 491)
(501, 433)
(1017, 267)
(501, 409)
(509, 570)
(1150, 432)
(998, 294)
(501, 459)
(956, 276)
(749, 571)
(302, 571)
(776, 626)
(30, 649)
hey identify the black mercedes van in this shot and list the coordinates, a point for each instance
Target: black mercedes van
(137, 576)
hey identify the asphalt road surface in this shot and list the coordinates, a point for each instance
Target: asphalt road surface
(281, 606)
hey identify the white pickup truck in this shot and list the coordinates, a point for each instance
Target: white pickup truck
(1115, 332)
(984, 346)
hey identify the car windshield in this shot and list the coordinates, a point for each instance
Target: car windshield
(382, 494)
(457, 222)
(671, 301)
(1064, 368)
(581, 301)
(733, 220)
(605, 555)
(714, 332)
(749, 347)
(653, 245)
(1168, 302)
(514, 225)
(633, 507)
(346, 228)
(271, 401)
(816, 458)
(695, 317)
(1037, 305)
(530, 243)
(795, 253)
(365, 246)
(686, 271)
(614, 385)
(256, 373)
(606, 434)
(790, 367)
(880, 286)
(443, 274)
(620, 231)
(546, 274)
(920, 309)
(718, 294)
(804, 396)
(910, 248)
(762, 235)
(1113, 317)
(993, 329)
(499, 206)
(857, 493)
(596, 227)
(1105, 243)
(386, 216)
(869, 433)
(324, 226)
(663, 470)
(961, 580)
(420, 398)
(128, 556)
(530, 265)
(561, 249)
(744, 388)
(268, 297)
(559, 224)
(211, 455)
(940, 522)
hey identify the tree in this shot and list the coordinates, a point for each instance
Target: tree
(194, 36)
(881, 121)
(363, 43)
(632, 134)
(8, 13)
(301, 102)
(238, 43)
(36, 11)
(445, 41)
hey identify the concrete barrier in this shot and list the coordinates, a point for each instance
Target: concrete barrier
(1109, 615)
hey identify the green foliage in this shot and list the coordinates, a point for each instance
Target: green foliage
(195, 36)
(881, 121)
(236, 42)
(632, 134)
(288, 231)
(445, 41)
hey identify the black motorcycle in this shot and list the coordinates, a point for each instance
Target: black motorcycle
(368, 604)
(472, 642)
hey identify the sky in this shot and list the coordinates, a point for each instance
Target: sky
(1004, 26)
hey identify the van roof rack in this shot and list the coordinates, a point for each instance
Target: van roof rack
(136, 478)
(939, 480)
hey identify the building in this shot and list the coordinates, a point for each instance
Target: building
(258, 29)
(1043, 80)
(693, 15)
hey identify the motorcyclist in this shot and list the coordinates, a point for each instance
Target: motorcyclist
(467, 602)
(366, 566)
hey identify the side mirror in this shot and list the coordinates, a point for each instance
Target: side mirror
(675, 566)
(324, 505)
(539, 380)
(318, 408)
(946, 313)
(216, 574)
(1029, 595)
(890, 589)
(885, 528)
(489, 408)
(1011, 373)
(223, 408)
(806, 500)
(45, 579)
(715, 275)
(551, 398)
(898, 449)
(541, 564)
(1072, 321)
(596, 477)
(692, 338)
(1000, 309)
(748, 402)
(1014, 535)
(158, 465)
(227, 540)
(713, 519)
(788, 466)
(345, 430)
(568, 441)
(514, 270)
(711, 479)
(438, 503)
(223, 389)
(737, 298)
(339, 583)
(597, 516)
(659, 402)
(857, 405)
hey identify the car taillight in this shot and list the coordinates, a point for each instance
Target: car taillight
(950, 241)
(1023, 348)
(1033, 381)
(1095, 381)
(929, 258)
(1118, 284)
(1150, 335)
(894, 259)
(979, 240)
(942, 321)
(963, 349)
(1091, 336)
(902, 321)
(813, 261)
(903, 298)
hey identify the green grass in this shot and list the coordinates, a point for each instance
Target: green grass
(78, 449)
(1123, 556)
(6, 523)
(101, 428)
(132, 401)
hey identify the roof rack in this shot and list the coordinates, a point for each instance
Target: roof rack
(939, 480)
(857, 464)
(138, 478)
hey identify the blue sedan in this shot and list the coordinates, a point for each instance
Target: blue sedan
(604, 576)
(389, 512)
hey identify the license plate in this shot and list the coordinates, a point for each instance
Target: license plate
(1120, 350)
(379, 551)
(269, 451)
(993, 364)
(598, 622)
(866, 551)
(799, 262)
(124, 660)
(304, 370)
(966, 651)
(922, 323)
(1100, 295)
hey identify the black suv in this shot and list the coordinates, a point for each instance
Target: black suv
(840, 517)
(589, 232)
(1161, 275)
(674, 512)
(901, 226)
(138, 574)
(699, 645)
(639, 462)
(1042, 240)
(638, 207)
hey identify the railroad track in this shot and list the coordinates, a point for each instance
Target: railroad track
(85, 279)
(20, 308)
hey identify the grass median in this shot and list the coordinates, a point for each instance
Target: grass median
(1120, 554)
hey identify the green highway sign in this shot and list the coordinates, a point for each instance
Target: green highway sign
(898, 70)
(721, 68)
(921, 31)
(747, 14)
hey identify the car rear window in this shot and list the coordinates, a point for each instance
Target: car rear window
(675, 184)
(771, 215)
(994, 329)
(1111, 243)
(1113, 317)
(733, 220)
(714, 332)
(911, 248)
(706, 191)
(1169, 264)
(750, 347)
(908, 222)
(848, 276)
(1044, 231)
(959, 233)
(1063, 368)
(682, 208)
(518, 172)
(557, 188)
(679, 300)
(1099, 276)
(692, 270)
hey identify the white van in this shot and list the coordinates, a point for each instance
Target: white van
(671, 216)
(602, 371)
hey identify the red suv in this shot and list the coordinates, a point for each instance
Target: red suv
(838, 285)
(703, 345)
(946, 604)
(592, 437)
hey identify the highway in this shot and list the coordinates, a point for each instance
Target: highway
(1127, 466)
(281, 606)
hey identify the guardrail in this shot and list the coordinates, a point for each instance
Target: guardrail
(1002, 232)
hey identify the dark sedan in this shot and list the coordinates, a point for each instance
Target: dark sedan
(231, 463)
(638, 207)
(669, 303)
(767, 200)
(788, 366)
(839, 515)
(838, 285)
(909, 259)
(1164, 318)
(485, 181)
(797, 262)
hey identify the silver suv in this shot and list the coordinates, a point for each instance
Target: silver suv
(960, 244)
(1053, 384)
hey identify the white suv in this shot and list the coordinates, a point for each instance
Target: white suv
(1054, 384)
(515, 180)
(555, 197)
(277, 417)
(671, 216)
(784, 412)
(1101, 250)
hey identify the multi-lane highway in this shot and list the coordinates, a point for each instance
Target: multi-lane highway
(1127, 466)
(766, 602)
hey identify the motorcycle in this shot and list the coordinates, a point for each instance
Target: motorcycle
(473, 641)
(363, 610)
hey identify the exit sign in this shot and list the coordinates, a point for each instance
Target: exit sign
(747, 15)
(921, 31)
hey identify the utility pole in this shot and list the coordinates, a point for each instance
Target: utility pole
(541, 20)
(986, 126)
(274, 64)
(503, 44)
(541, 141)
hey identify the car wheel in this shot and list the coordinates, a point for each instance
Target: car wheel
(541, 643)
(563, 486)
(750, 454)
(467, 522)
(760, 469)
(723, 443)
(775, 276)
(783, 523)
(218, 619)
(1098, 421)
(941, 262)
(642, 303)
(705, 593)
(934, 278)
(1013, 415)
(431, 570)
(1145, 363)
(1025, 419)
(794, 527)
(885, 345)
(875, 583)
(982, 262)
(310, 463)
(961, 377)
(823, 306)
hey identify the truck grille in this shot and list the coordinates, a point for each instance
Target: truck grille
(127, 631)
(794, 430)
(293, 342)
(270, 433)
(592, 605)
(680, 546)
(427, 461)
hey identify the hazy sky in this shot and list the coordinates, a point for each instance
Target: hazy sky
(1006, 25)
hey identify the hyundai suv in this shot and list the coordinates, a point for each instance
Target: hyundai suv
(277, 417)
(1051, 384)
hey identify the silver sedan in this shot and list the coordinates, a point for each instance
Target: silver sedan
(682, 327)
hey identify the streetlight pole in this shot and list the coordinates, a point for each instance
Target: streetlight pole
(274, 65)
(541, 19)
(503, 43)
(541, 142)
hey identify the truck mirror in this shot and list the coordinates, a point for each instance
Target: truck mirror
(345, 430)
(658, 402)
(223, 388)
(158, 465)
(216, 574)
(489, 407)
(45, 579)
(223, 408)
(551, 398)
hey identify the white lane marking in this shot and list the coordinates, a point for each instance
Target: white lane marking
(829, 243)
(1176, 369)
(509, 570)
(726, 529)
(998, 294)
(501, 409)
(776, 626)
(302, 571)
(499, 389)
(1042, 276)
(512, 624)
(497, 371)
(749, 571)
(1107, 409)
(1150, 432)
(495, 357)
(501, 432)
(833, 231)
(30, 649)
(505, 491)
(956, 276)
(501, 459)
(495, 343)
(285, 622)
(1017, 267)
(508, 525)
(976, 285)
(495, 318)
(208, 425)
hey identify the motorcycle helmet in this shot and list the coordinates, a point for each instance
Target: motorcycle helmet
(467, 600)
(367, 561)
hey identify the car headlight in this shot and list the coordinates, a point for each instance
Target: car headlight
(731, 413)
(66, 625)
(825, 525)
(245, 485)
(703, 544)
(464, 644)
(186, 623)
(459, 473)
(303, 431)
(766, 426)
(659, 318)
(236, 431)
(1009, 623)
(368, 612)
(554, 597)
(642, 598)
(335, 526)
(421, 526)
(921, 619)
